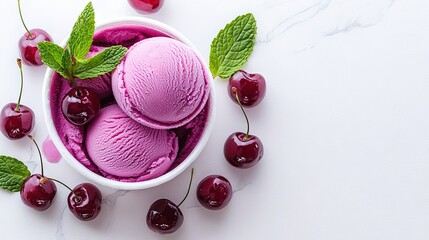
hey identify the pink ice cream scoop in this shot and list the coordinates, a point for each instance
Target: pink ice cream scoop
(122, 147)
(161, 83)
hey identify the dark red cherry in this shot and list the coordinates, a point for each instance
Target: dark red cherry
(28, 46)
(85, 201)
(38, 192)
(164, 216)
(16, 124)
(146, 6)
(214, 192)
(250, 88)
(241, 152)
(80, 106)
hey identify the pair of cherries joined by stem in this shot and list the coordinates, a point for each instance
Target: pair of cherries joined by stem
(39, 191)
(213, 192)
(243, 150)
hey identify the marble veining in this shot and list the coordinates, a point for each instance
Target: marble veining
(311, 21)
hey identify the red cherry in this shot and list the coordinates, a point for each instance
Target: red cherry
(85, 201)
(250, 88)
(164, 217)
(214, 192)
(16, 124)
(38, 192)
(146, 6)
(80, 105)
(241, 152)
(28, 46)
(28, 43)
(16, 120)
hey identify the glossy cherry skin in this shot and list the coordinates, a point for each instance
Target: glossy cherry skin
(85, 201)
(164, 217)
(28, 46)
(214, 192)
(146, 6)
(250, 88)
(38, 192)
(243, 153)
(16, 125)
(79, 107)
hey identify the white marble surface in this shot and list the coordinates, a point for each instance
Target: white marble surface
(345, 125)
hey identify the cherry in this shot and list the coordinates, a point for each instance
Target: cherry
(243, 150)
(16, 124)
(146, 6)
(28, 43)
(80, 105)
(249, 87)
(38, 192)
(214, 192)
(84, 201)
(164, 216)
(16, 120)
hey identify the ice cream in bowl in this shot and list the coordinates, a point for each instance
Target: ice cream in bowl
(156, 108)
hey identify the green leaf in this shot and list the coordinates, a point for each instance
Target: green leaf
(231, 48)
(70, 62)
(51, 55)
(67, 62)
(102, 63)
(83, 31)
(12, 173)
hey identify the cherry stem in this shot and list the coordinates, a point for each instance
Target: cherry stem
(65, 185)
(40, 154)
(75, 86)
(19, 62)
(58, 181)
(189, 187)
(234, 90)
(22, 20)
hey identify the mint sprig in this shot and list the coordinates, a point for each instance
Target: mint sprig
(83, 31)
(12, 173)
(232, 46)
(102, 62)
(71, 62)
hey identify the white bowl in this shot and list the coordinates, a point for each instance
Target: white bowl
(113, 183)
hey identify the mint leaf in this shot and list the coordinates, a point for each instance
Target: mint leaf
(12, 173)
(83, 31)
(70, 62)
(101, 63)
(231, 48)
(51, 55)
(67, 62)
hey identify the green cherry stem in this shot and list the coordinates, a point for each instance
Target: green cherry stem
(189, 188)
(22, 20)
(58, 181)
(234, 90)
(65, 185)
(19, 62)
(40, 154)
